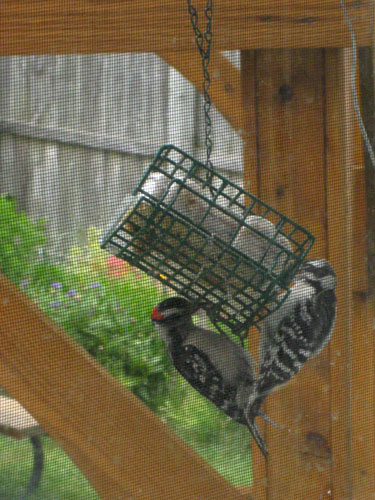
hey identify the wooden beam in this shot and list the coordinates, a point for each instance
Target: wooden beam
(340, 224)
(123, 449)
(87, 26)
(251, 184)
(225, 90)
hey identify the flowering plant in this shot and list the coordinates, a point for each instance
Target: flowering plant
(110, 318)
(99, 300)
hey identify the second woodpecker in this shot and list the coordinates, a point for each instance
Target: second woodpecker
(297, 332)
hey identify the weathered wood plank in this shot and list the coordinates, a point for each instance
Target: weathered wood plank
(291, 155)
(352, 348)
(123, 449)
(87, 27)
(102, 142)
(225, 89)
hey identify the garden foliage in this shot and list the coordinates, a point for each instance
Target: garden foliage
(105, 305)
(98, 299)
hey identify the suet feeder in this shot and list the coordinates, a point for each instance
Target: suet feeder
(183, 227)
(204, 236)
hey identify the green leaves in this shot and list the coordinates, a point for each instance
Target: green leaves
(20, 240)
(104, 305)
(113, 324)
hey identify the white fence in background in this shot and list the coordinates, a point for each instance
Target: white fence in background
(76, 133)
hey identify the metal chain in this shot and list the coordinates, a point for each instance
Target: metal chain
(203, 42)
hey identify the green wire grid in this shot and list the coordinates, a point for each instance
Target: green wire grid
(183, 252)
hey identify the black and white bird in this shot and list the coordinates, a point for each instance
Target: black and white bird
(297, 332)
(213, 364)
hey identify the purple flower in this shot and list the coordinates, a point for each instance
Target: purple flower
(95, 284)
(71, 293)
(56, 303)
(25, 283)
(56, 285)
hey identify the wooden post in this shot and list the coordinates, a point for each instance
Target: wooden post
(352, 347)
(310, 167)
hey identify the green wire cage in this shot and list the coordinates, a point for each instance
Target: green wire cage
(209, 240)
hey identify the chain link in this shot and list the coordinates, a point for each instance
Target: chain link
(203, 42)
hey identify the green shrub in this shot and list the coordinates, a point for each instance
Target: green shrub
(90, 259)
(102, 303)
(20, 240)
(111, 320)
(223, 443)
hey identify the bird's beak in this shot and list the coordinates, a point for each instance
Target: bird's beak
(203, 304)
(200, 304)
(194, 307)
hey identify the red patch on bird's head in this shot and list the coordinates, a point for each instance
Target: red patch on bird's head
(156, 314)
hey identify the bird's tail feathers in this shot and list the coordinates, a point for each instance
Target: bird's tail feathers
(258, 438)
(268, 419)
(253, 428)
(252, 411)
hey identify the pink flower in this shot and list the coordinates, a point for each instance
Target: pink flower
(117, 268)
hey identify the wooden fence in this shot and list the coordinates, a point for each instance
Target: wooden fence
(76, 132)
